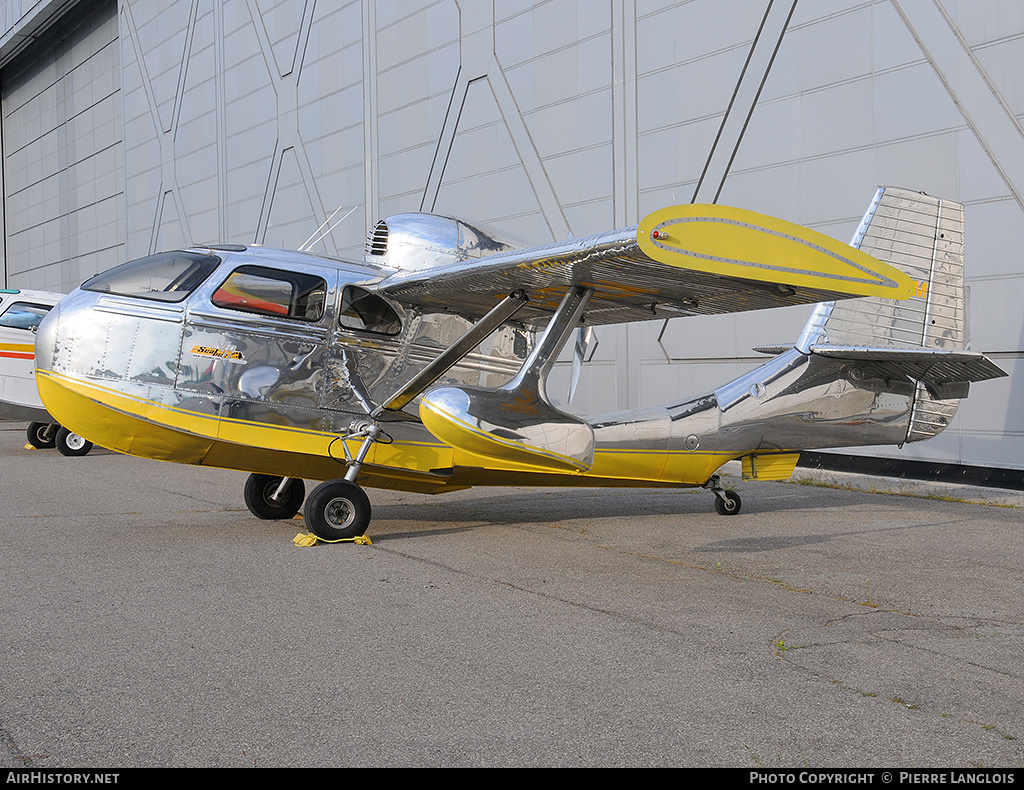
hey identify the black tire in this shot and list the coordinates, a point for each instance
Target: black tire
(729, 508)
(260, 488)
(71, 444)
(42, 435)
(337, 510)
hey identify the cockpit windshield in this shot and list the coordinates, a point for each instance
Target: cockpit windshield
(165, 277)
(24, 315)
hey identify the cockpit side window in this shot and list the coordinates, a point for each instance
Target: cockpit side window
(24, 315)
(164, 277)
(366, 312)
(274, 292)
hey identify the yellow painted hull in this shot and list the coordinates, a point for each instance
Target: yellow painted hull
(154, 430)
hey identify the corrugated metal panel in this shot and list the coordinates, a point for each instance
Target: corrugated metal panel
(62, 153)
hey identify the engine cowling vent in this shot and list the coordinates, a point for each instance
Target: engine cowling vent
(377, 239)
(422, 241)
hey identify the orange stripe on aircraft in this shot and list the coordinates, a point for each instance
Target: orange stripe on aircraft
(17, 351)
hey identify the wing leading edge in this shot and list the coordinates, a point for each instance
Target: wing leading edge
(685, 260)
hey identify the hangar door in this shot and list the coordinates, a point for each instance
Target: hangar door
(63, 163)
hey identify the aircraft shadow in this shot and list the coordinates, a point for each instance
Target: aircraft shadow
(437, 517)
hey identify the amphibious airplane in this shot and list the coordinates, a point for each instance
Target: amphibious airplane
(424, 367)
(20, 314)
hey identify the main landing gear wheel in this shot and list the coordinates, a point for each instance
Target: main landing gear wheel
(337, 510)
(259, 496)
(42, 435)
(71, 444)
(727, 503)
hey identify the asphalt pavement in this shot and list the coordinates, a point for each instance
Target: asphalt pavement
(149, 620)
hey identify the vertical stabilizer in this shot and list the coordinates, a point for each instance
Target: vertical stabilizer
(923, 236)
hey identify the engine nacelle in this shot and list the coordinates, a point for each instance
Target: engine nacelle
(420, 241)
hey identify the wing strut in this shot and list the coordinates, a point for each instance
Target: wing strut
(452, 355)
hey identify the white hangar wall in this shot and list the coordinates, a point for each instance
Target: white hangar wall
(252, 120)
(63, 163)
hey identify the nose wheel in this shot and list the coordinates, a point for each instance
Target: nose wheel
(337, 510)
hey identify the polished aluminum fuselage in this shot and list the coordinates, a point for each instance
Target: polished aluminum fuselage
(793, 402)
(271, 394)
(212, 372)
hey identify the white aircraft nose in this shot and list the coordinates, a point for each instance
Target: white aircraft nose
(46, 339)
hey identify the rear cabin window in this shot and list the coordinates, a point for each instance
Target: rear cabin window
(164, 277)
(274, 292)
(24, 315)
(366, 312)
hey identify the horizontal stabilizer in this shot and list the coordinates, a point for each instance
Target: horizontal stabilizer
(940, 371)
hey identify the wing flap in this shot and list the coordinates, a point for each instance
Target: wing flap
(714, 260)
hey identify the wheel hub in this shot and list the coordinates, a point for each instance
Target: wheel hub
(268, 495)
(339, 513)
